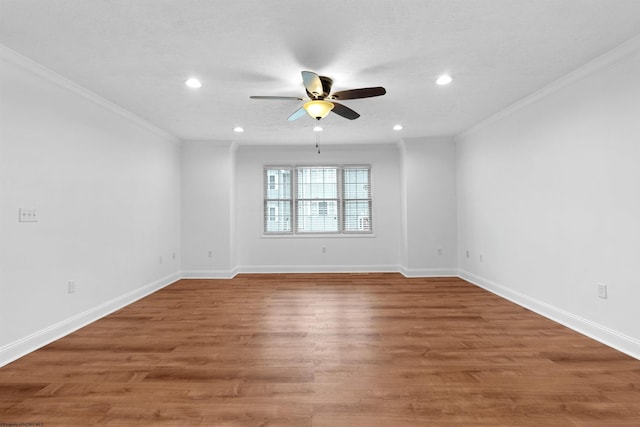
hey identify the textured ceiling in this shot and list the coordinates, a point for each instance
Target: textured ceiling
(138, 54)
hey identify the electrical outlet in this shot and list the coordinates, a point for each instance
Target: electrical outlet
(71, 287)
(602, 291)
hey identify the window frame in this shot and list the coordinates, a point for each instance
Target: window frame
(294, 200)
(344, 200)
(266, 207)
(315, 200)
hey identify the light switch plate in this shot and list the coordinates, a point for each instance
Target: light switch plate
(28, 215)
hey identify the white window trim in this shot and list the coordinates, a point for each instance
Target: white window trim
(341, 201)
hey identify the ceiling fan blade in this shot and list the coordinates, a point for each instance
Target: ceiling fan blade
(297, 114)
(293, 98)
(312, 83)
(366, 92)
(344, 111)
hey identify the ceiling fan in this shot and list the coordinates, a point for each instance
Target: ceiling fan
(321, 101)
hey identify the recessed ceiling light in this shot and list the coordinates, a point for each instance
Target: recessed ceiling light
(238, 129)
(193, 83)
(397, 127)
(444, 80)
(317, 129)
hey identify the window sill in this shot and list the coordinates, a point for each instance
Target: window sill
(319, 236)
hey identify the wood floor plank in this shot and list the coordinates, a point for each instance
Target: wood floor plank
(372, 349)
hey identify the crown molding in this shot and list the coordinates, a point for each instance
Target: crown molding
(22, 61)
(600, 62)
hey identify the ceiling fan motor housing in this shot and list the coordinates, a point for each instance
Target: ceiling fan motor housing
(327, 84)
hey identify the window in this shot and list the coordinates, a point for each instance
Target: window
(356, 199)
(317, 199)
(277, 200)
(316, 186)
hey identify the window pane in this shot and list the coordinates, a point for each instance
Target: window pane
(277, 215)
(357, 215)
(356, 191)
(317, 183)
(356, 183)
(279, 184)
(317, 217)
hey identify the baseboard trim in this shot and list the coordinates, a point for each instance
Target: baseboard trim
(209, 274)
(429, 272)
(30, 343)
(607, 336)
(600, 333)
(283, 269)
(266, 269)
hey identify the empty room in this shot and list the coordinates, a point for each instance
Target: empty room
(336, 213)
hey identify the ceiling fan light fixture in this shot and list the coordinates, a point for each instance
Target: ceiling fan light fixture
(318, 109)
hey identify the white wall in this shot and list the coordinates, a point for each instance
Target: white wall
(549, 195)
(379, 252)
(429, 193)
(208, 241)
(413, 185)
(107, 189)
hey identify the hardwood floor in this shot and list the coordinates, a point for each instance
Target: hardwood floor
(323, 350)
